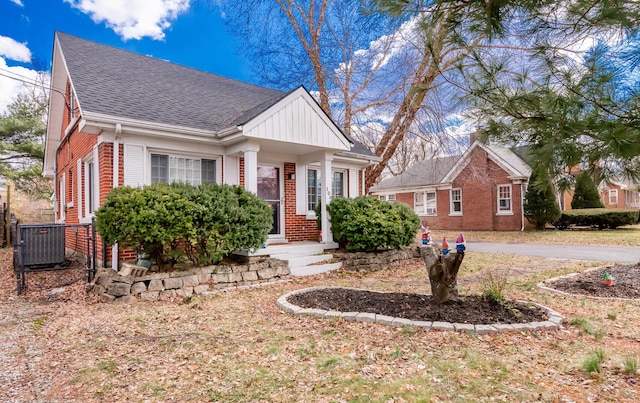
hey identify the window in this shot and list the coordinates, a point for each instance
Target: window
(62, 197)
(382, 197)
(504, 199)
(613, 196)
(431, 203)
(337, 184)
(418, 202)
(313, 189)
(90, 186)
(391, 197)
(71, 187)
(455, 197)
(168, 168)
(424, 203)
(72, 104)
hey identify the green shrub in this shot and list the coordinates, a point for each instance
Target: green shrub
(154, 219)
(168, 222)
(226, 218)
(599, 218)
(540, 205)
(586, 193)
(366, 223)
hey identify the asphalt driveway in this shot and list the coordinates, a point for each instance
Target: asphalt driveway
(576, 252)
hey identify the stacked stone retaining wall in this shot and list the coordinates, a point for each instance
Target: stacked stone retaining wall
(112, 286)
(373, 261)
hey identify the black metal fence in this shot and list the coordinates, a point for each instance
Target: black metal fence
(42, 247)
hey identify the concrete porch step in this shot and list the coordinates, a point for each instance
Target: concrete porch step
(301, 261)
(292, 249)
(315, 269)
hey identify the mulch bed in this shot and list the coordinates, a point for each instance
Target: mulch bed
(626, 283)
(469, 309)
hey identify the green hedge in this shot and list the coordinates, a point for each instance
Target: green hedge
(598, 217)
(171, 222)
(366, 223)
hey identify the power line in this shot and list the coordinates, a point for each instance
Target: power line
(29, 81)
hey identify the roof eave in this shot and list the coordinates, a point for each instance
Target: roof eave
(96, 123)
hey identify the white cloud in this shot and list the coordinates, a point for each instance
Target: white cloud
(13, 50)
(12, 87)
(17, 2)
(133, 19)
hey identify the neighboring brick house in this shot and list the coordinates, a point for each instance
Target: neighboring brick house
(481, 189)
(119, 118)
(620, 194)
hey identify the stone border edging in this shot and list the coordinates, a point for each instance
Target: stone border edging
(543, 285)
(553, 323)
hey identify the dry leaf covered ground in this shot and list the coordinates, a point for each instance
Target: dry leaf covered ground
(238, 346)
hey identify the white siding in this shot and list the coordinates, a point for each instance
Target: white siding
(297, 119)
(301, 189)
(231, 170)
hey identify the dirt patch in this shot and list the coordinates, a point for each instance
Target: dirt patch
(626, 283)
(470, 309)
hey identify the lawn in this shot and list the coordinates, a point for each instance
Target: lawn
(627, 236)
(237, 346)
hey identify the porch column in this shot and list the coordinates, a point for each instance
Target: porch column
(325, 179)
(251, 169)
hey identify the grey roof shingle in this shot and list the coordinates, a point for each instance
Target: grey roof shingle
(433, 171)
(117, 82)
(422, 173)
(518, 166)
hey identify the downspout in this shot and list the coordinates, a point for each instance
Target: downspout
(522, 206)
(116, 178)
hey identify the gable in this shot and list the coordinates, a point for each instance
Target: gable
(297, 119)
(506, 159)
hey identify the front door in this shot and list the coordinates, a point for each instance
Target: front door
(270, 190)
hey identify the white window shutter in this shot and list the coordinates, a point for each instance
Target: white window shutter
(134, 164)
(96, 179)
(79, 175)
(301, 189)
(353, 183)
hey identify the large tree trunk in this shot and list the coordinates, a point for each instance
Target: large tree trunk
(443, 272)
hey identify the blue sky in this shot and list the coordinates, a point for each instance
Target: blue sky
(186, 32)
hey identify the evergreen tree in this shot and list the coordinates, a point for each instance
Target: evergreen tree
(21, 145)
(540, 205)
(586, 193)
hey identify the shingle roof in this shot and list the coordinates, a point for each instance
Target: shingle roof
(433, 171)
(512, 159)
(117, 82)
(422, 173)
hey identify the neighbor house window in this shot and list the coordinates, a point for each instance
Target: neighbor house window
(169, 168)
(430, 203)
(391, 197)
(424, 203)
(382, 197)
(504, 199)
(455, 197)
(418, 202)
(613, 196)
